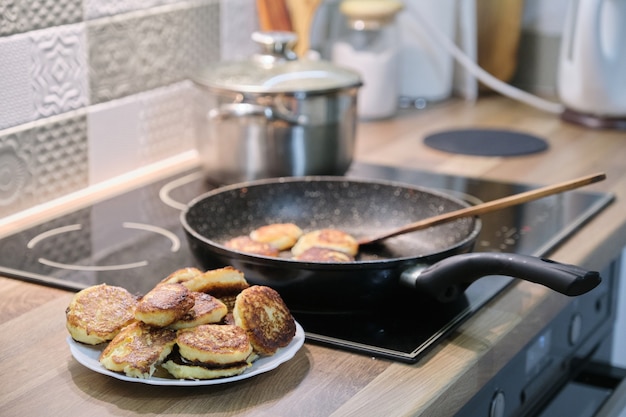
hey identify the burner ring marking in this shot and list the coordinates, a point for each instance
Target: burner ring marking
(74, 227)
(64, 229)
(164, 192)
(164, 232)
(73, 267)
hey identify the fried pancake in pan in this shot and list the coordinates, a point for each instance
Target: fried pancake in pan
(164, 304)
(245, 244)
(329, 239)
(323, 255)
(138, 349)
(262, 313)
(96, 314)
(210, 351)
(281, 236)
(206, 309)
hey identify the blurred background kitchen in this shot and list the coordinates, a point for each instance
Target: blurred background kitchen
(94, 89)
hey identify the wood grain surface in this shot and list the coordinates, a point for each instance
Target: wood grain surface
(499, 25)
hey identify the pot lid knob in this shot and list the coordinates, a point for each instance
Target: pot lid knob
(276, 45)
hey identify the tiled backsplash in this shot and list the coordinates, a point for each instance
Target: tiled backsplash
(91, 89)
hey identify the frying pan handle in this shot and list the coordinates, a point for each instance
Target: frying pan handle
(448, 278)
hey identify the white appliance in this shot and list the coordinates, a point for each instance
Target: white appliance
(592, 67)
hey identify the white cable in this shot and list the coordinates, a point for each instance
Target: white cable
(498, 85)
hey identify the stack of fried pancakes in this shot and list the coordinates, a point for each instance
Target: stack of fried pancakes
(193, 324)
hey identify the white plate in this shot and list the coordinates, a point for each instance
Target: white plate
(88, 356)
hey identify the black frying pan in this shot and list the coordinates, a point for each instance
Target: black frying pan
(361, 208)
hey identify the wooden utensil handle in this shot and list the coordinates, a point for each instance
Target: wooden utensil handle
(273, 15)
(488, 206)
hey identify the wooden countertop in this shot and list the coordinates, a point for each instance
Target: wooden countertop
(39, 376)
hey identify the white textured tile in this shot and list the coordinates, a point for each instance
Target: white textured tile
(139, 130)
(43, 73)
(16, 98)
(59, 70)
(113, 131)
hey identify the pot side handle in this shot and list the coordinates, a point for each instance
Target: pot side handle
(239, 110)
(448, 278)
(233, 110)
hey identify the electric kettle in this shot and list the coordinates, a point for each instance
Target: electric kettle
(591, 80)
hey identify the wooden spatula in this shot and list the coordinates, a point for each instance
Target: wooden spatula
(302, 13)
(486, 207)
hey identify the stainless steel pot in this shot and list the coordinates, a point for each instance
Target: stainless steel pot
(275, 115)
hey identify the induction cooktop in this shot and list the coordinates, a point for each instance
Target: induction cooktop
(135, 239)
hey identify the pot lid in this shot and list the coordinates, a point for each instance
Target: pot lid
(277, 70)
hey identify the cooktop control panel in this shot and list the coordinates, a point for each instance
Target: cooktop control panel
(529, 382)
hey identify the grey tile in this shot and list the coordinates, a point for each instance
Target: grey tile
(18, 16)
(101, 8)
(201, 38)
(12, 20)
(112, 60)
(142, 51)
(238, 19)
(166, 122)
(42, 161)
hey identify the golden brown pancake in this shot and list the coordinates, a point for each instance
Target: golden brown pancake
(181, 369)
(246, 245)
(326, 238)
(181, 276)
(281, 236)
(206, 309)
(223, 283)
(138, 349)
(323, 255)
(262, 313)
(210, 351)
(164, 304)
(96, 314)
(214, 343)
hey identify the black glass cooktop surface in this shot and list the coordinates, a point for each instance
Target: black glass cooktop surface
(135, 239)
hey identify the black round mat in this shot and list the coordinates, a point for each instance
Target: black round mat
(486, 142)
